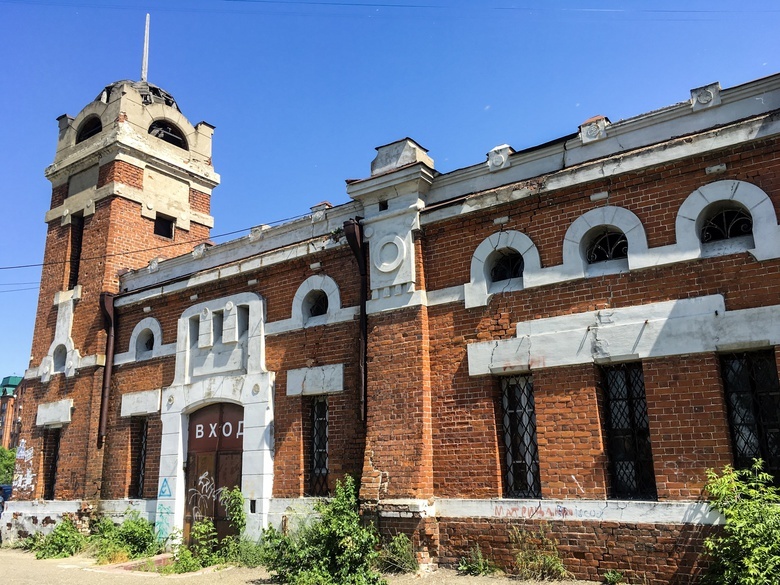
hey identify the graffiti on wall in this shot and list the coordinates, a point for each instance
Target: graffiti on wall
(24, 478)
(548, 512)
(163, 522)
(203, 496)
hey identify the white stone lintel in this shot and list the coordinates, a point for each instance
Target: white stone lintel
(54, 414)
(317, 380)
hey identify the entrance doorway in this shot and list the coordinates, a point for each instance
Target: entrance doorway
(215, 447)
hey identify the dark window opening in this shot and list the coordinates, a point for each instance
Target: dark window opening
(242, 320)
(163, 226)
(606, 244)
(217, 326)
(138, 441)
(628, 433)
(316, 304)
(319, 447)
(507, 264)
(51, 456)
(169, 133)
(383, 206)
(74, 253)
(519, 427)
(144, 343)
(89, 128)
(727, 223)
(752, 392)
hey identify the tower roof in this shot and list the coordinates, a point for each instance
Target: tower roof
(151, 93)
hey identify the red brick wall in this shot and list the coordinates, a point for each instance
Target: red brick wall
(399, 454)
(656, 554)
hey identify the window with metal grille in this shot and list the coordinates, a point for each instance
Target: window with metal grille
(628, 433)
(725, 224)
(51, 456)
(606, 244)
(319, 447)
(315, 304)
(507, 264)
(753, 401)
(138, 442)
(519, 426)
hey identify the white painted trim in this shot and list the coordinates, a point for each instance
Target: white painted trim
(633, 512)
(686, 326)
(766, 233)
(158, 349)
(316, 282)
(574, 262)
(477, 291)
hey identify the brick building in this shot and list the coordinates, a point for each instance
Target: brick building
(570, 334)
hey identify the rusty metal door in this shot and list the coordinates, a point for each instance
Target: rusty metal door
(215, 445)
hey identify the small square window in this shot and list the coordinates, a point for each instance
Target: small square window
(163, 226)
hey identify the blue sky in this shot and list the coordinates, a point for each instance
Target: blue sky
(301, 92)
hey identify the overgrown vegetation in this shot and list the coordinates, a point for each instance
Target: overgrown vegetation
(748, 550)
(475, 563)
(536, 555)
(132, 539)
(64, 541)
(335, 549)
(397, 556)
(206, 550)
(613, 577)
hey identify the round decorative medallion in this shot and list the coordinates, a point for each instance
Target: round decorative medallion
(229, 306)
(705, 96)
(593, 130)
(391, 251)
(497, 159)
(205, 313)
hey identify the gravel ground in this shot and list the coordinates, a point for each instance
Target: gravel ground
(22, 568)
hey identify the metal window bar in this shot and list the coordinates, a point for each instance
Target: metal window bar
(752, 391)
(509, 264)
(319, 304)
(628, 433)
(727, 224)
(51, 455)
(319, 447)
(519, 425)
(140, 462)
(607, 245)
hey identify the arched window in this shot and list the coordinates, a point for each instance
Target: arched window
(606, 243)
(315, 304)
(167, 131)
(506, 264)
(89, 127)
(724, 222)
(60, 356)
(144, 343)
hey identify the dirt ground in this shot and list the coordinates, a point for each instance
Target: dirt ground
(22, 568)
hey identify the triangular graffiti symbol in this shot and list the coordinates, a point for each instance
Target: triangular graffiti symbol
(165, 490)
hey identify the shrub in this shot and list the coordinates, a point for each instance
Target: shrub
(476, 563)
(397, 556)
(64, 541)
(134, 538)
(335, 549)
(748, 550)
(536, 556)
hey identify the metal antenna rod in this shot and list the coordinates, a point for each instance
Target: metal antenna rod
(145, 64)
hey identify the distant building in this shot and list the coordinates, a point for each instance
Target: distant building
(8, 418)
(571, 333)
